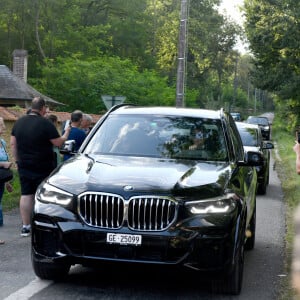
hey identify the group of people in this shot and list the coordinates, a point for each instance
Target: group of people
(35, 143)
(80, 124)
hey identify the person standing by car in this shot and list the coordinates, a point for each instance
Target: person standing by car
(47, 113)
(296, 148)
(296, 248)
(32, 139)
(76, 133)
(4, 163)
(86, 123)
(57, 156)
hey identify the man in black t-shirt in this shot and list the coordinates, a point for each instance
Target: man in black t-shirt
(32, 140)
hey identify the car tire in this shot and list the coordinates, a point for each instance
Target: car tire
(50, 271)
(262, 188)
(234, 280)
(268, 171)
(249, 245)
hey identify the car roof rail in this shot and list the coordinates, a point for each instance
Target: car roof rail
(115, 107)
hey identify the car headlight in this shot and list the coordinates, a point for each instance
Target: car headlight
(50, 194)
(211, 206)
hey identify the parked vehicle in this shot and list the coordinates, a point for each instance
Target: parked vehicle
(263, 123)
(140, 191)
(253, 141)
(236, 116)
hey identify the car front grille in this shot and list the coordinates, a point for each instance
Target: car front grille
(148, 213)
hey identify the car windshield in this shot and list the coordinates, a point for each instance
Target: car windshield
(249, 136)
(160, 136)
(259, 121)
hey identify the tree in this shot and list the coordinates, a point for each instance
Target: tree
(80, 83)
(212, 38)
(272, 28)
(142, 31)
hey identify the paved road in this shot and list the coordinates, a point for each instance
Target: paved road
(262, 276)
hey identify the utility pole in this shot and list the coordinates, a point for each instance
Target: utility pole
(235, 83)
(255, 99)
(182, 54)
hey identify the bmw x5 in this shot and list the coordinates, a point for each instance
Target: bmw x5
(138, 192)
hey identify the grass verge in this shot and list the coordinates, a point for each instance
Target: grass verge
(290, 182)
(11, 200)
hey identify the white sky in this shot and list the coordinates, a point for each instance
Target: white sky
(231, 8)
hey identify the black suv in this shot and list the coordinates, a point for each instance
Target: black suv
(253, 141)
(153, 185)
(263, 123)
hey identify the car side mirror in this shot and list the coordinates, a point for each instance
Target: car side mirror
(252, 159)
(268, 145)
(68, 147)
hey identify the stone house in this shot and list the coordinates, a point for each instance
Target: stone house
(16, 95)
(14, 90)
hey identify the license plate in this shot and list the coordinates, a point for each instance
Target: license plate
(124, 239)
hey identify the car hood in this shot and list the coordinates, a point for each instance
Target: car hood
(128, 176)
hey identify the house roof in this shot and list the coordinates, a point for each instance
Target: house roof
(13, 88)
(10, 115)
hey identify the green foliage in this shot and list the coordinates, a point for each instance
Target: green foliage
(144, 32)
(237, 104)
(289, 111)
(210, 53)
(80, 83)
(11, 200)
(272, 29)
(286, 169)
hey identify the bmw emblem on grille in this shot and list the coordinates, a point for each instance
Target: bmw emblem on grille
(128, 188)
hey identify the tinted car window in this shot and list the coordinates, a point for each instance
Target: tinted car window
(155, 136)
(263, 123)
(236, 144)
(249, 136)
(258, 120)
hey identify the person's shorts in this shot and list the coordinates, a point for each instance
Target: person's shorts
(29, 181)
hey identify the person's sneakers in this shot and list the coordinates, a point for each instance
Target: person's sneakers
(25, 231)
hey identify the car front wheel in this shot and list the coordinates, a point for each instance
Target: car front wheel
(252, 227)
(262, 188)
(234, 280)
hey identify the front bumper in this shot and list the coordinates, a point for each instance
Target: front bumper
(202, 242)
